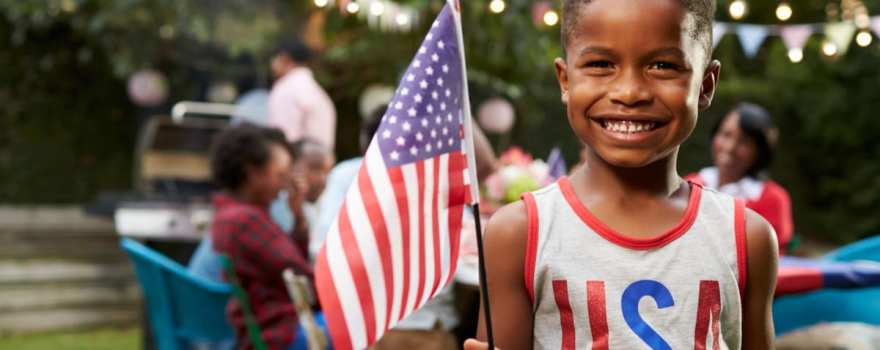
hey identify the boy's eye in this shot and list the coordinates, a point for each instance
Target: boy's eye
(598, 64)
(663, 65)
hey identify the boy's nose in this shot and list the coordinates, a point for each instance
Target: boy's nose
(630, 90)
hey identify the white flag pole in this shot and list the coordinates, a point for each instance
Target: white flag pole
(472, 174)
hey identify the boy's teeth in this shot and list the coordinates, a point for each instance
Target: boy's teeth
(628, 126)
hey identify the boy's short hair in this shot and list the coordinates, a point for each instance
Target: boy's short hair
(238, 147)
(702, 10)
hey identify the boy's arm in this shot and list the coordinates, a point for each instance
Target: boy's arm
(762, 258)
(505, 246)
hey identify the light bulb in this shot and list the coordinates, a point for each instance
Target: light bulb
(377, 8)
(353, 7)
(497, 6)
(796, 55)
(737, 9)
(829, 49)
(864, 38)
(402, 19)
(321, 3)
(551, 18)
(783, 11)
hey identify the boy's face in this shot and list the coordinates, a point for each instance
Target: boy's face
(634, 79)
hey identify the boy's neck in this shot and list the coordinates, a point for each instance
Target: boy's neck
(659, 178)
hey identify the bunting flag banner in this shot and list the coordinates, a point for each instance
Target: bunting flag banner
(751, 36)
(840, 34)
(795, 37)
(718, 31)
(875, 25)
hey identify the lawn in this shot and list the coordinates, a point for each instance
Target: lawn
(101, 339)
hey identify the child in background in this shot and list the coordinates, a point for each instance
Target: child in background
(625, 254)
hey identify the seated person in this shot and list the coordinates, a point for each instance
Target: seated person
(251, 165)
(297, 211)
(742, 150)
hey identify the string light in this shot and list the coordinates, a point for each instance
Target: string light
(829, 49)
(497, 6)
(377, 8)
(737, 9)
(864, 38)
(402, 19)
(783, 11)
(321, 3)
(353, 7)
(795, 55)
(551, 18)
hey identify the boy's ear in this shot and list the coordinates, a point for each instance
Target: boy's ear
(710, 82)
(562, 77)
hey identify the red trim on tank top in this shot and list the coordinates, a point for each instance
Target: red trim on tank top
(531, 245)
(739, 223)
(615, 237)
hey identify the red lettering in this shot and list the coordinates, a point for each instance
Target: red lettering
(596, 313)
(708, 311)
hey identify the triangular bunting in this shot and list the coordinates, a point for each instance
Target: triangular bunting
(751, 36)
(840, 34)
(795, 36)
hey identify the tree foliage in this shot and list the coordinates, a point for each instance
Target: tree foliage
(67, 127)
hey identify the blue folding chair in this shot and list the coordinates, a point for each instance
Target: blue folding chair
(183, 308)
(792, 312)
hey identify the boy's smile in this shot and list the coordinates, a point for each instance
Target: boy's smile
(634, 78)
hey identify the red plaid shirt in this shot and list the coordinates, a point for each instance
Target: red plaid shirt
(260, 251)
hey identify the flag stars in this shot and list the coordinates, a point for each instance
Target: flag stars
(445, 131)
(423, 84)
(411, 112)
(435, 57)
(433, 133)
(392, 119)
(419, 136)
(423, 50)
(439, 144)
(400, 141)
(428, 148)
(449, 117)
(438, 120)
(440, 44)
(395, 155)
(404, 91)
(435, 95)
(417, 98)
(413, 150)
(440, 81)
(417, 63)
(451, 141)
(429, 36)
(442, 106)
(424, 123)
(448, 92)
(386, 134)
(398, 105)
(430, 109)
(445, 68)
(410, 77)
(429, 71)
(406, 126)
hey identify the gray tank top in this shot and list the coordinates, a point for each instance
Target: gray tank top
(593, 288)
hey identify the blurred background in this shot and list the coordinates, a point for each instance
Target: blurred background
(81, 79)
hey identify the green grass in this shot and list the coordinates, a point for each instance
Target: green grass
(100, 339)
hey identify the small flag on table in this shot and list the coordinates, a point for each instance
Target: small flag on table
(394, 244)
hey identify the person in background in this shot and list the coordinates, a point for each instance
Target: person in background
(742, 150)
(297, 104)
(297, 210)
(252, 165)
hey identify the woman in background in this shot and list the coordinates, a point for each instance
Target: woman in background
(742, 150)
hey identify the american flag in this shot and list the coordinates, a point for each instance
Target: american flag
(394, 244)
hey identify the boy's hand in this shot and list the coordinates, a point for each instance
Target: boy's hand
(473, 344)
